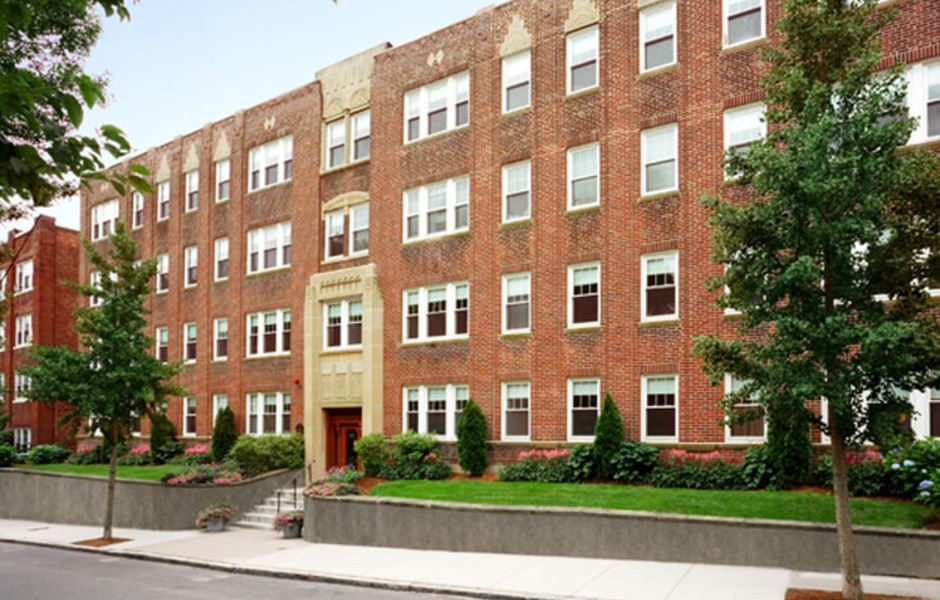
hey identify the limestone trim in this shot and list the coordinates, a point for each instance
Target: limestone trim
(517, 38)
(163, 170)
(222, 148)
(582, 14)
(346, 85)
(192, 159)
(344, 201)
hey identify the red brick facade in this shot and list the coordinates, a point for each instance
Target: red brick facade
(706, 80)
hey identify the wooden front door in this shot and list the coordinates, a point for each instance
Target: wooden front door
(343, 428)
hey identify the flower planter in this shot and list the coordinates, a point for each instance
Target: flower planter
(215, 525)
(292, 530)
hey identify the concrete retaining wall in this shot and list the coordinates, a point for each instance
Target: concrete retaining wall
(598, 533)
(80, 500)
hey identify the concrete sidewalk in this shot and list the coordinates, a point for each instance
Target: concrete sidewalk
(475, 574)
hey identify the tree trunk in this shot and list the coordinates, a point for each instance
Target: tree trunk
(851, 580)
(112, 475)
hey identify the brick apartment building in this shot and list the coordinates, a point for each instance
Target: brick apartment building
(505, 209)
(40, 313)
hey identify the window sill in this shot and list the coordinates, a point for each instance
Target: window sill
(580, 439)
(882, 4)
(220, 281)
(222, 201)
(137, 228)
(659, 440)
(927, 144)
(21, 346)
(268, 356)
(190, 211)
(219, 361)
(515, 223)
(744, 441)
(515, 439)
(516, 111)
(20, 400)
(344, 166)
(342, 350)
(270, 187)
(585, 92)
(742, 46)
(188, 363)
(730, 182)
(189, 287)
(732, 316)
(437, 135)
(580, 210)
(657, 71)
(163, 220)
(21, 292)
(515, 335)
(161, 292)
(437, 238)
(655, 324)
(267, 271)
(658, 195)
(593, 328)
(419, 343)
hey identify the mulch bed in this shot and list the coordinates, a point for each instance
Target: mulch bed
(100, 542)
(821, 595)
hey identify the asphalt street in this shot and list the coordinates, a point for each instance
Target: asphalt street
(36, 573)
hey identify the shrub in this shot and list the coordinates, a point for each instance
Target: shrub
(193, 457)
(757, 469)
(345, 474)
(471, 440)
(47, 454)
(6, 437)
(257, 454)
(134, 460)
(581, 462)
(414, 456)
(544, 466)
(163, 442)
(709, 475)
(205, 475)
(98, 455)
(372, 450)
(608, 433)
(330, 488)
(866, 476)
(634, 461)
(911, 465)
(80, 458)
(224, 435)
(788, 443)
(7, 455)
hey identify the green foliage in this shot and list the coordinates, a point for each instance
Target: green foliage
(47, 454)
(163, 444)
(166, 452)
(890, 426)
(581, 462)
(542, 466)
(471, 440)
(224, 434)
(608, 433)
(788, 442)
(712, 475)
(867, 478)
(258, 454)
(134, 460)
(634, 461)
(414, 456)
(97, 455)
(345, 474)
(191, 459)
(7, 455)
(757, 469)
(372, 450)
(913, 464)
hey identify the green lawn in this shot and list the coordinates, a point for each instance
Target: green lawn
(151, 473)
(787, 506)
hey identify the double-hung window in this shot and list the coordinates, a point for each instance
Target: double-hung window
(584, 306)
(361, 130)
(658, 36)
(336, 143)
(24, 276)
(436, 312)
(192, 190)
(269, 247)
(516, 303)
(743, 127)
(660, 294)
(335, 233)
(162, 335)
(437, 107)
(22, 383)
(24, 331)
(583, 176)
(163, 272)
(22, 438)
(268, 412)
(515, 400)
(219, 401)
(583, 408)
(189, 415)
(138, 204)
(268, 333)
(342, 324)
(750, 431)
(104, 217)
(582, 52)
(271, 163)
(660, 407)
(163, 201)
(221, 259)
(517, 76)
(220, 338)
(191, 256)
(223, 180)
(437, 209)
(517, 186)
(743, 21)
(434, 409)
(659, 148)
(359, 228)
(189, 342)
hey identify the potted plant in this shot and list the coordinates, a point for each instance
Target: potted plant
(289, 523)
(214, 518)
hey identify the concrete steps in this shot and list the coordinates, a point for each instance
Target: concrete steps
(262, 515)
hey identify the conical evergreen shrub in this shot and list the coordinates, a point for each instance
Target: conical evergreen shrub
(471, 440)
(608, 434)
(224, 435)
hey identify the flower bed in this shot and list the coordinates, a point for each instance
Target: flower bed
(204, 475)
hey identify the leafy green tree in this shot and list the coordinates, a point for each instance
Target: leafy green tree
(471, 440)
(113, 379)
(224, 434)
(608, 435)
(162, 435)
(840, 220)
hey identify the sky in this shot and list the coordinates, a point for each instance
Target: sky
(179, 64)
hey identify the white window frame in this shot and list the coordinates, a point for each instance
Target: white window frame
(356, 226)
(450, 290)
(596, 148)
(522, 164)
(21, 383)
(742, 112)
(591, 30)
(282, 316)
(644, 381)
(504, 410)
(571, 271)
(741, 439)
(192, 190)
(24, 331)
(333, 129)
(186, 413)
(282, 235)
(217, 326)
(330, 222)
(219, 401)
(223, 174)
(725, 16)
(104, 217)
(645, 13)
(158, 343)
(279, 153)
(163, 200)
(450, 399)
(416, 103)
(569, 415)
(450, 207)
(355, 120)
(643, 160)
(24, 276)
(344, 324)
(644, 264)
(259, 414)
(186, 329)
(22, 438)
(163, 268)
(524, 56)
(527, 276)
(191, 259)
(221, 253)
(918, 97)
(137, 204)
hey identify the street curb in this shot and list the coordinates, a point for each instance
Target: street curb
(382, 584)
